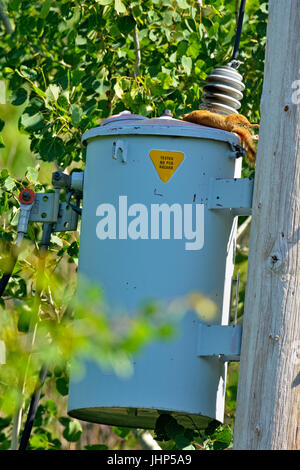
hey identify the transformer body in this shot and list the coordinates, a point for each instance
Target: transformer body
(134, 166)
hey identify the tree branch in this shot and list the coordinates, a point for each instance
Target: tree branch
(146, 440)
(5, 19)
(200, 5)
(137, 50)
(242, 229)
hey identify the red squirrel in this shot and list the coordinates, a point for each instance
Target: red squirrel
(236, 123)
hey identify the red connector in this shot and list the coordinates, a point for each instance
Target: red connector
(27, 196)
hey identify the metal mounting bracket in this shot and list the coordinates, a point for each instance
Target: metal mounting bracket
(221, 341)
(67, 219)
(238, 151)
(233, 194)
(45, 207)
(120, 148)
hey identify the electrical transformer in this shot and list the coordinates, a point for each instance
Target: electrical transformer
(160, 204)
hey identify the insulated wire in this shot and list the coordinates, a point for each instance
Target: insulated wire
(33, 409)
(239, 30)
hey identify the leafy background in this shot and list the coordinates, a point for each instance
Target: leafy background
(65, 66)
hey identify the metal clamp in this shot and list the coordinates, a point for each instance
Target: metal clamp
(221, 341)
(47, 208)
(67, 219)
(74, 181)
(119, 148)
(233, 194)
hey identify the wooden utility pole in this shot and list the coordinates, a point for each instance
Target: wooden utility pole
(268, 402)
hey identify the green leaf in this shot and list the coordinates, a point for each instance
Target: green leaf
(5, 445)
(14, 4)
(14, 220)
(121, 432)
(164, 422)
(45, 9)
(222, 437)
(51, 407)
(62, 386)
(31, 119)
(182, 4)
(39, 441)
(64, 421)
(58, 371)
(1, 142)
(189, 447)
(181, 440)
(118, 90)
(73, 249)
(119, 6)
(9, 183)
(104, 2)
(51, 148)
(4, 423)
(32, 174)
(24, 321)
(73, 431)
(187, 64)
(76, 114)
(2, 124)
(28, 73)
(125, 24)
(18, 97)
(52, 92)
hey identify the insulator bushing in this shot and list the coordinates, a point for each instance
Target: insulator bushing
(223, 90)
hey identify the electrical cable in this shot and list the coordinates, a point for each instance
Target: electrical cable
(239, 30)
(77, 209)
(32, 410)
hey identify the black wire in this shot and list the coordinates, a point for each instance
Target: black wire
(4, 281)
(239, 30)
(77, 209)
(32, 410)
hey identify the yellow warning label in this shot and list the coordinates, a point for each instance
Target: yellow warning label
(166, 162)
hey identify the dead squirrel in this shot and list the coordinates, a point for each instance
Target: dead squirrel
(236, 123)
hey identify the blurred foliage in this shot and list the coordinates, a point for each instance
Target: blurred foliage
(66, 66)
(172, 435)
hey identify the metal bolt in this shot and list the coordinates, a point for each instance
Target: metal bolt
(56, 176)
(167, 112)
(274, 337)
(26, 196)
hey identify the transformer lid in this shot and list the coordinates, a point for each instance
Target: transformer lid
(123, 116)
(126, 123)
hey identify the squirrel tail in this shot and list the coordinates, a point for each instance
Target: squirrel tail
(247, 138)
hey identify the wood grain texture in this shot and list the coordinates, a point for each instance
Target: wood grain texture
(268, 402)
